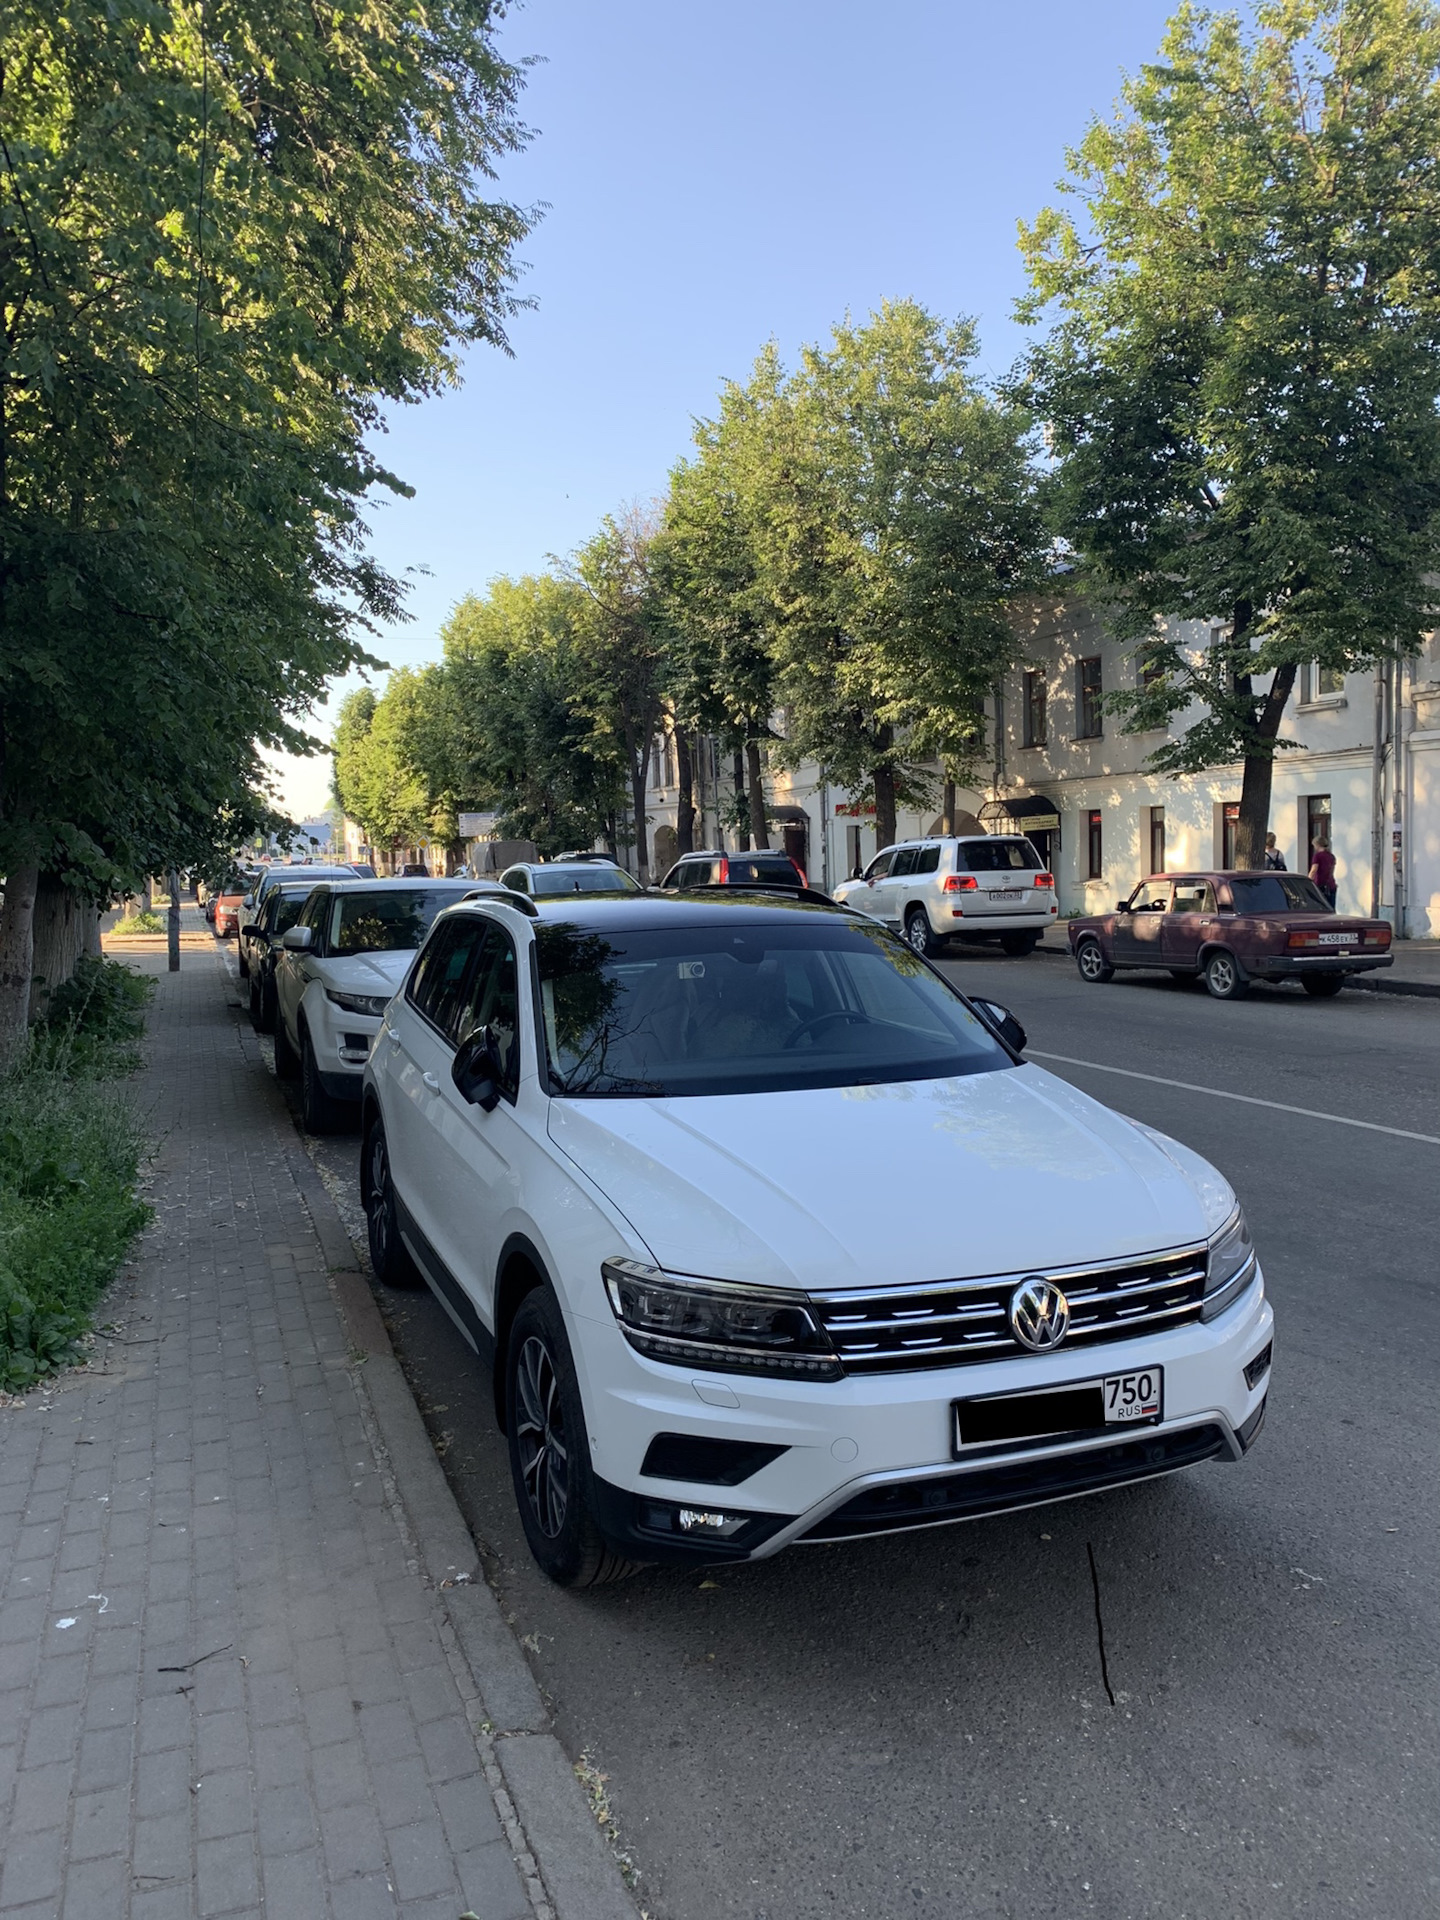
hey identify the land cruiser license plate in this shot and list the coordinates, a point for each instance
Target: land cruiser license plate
(1116, 1400)
(1007, 893)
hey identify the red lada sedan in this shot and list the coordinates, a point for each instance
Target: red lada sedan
(1231, 929)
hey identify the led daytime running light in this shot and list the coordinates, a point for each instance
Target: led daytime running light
(724, 1326)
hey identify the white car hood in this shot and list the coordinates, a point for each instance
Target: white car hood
(873, 1186)
(373, 973)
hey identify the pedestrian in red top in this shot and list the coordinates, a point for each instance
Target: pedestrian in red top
(1322, 869)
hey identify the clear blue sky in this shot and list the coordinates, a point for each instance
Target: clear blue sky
(717, 172)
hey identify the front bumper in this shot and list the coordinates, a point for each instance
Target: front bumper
(870, 1455)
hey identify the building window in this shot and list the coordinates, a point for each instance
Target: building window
(1095, 843)
(1035, 734)
(1157, 839)
(1229, 830)
(1090, 721)
(1152, 671)
(1320, 683)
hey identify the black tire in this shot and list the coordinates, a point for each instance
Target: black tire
(918, 936)
(550, 1453)
(320, 1112)
(1224, 977)
(389, 1259)
(1322, 986)
(287, 1061)
(241, 963)
(256, 1002)
(267, 1004)
(1017, 945)
(1094, 968)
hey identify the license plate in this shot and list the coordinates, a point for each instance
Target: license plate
(1336, 939)
(1007, 893)
(1115, 1400)
(1133, 1396)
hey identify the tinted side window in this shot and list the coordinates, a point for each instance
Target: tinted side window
(904, 862)
(442, 973)
(928, 860)
(493, 1001)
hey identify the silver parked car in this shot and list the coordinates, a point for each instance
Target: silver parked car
(963, 887)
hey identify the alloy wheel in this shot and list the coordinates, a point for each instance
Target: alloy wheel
(540, 1436)
(379, 1200)
(1091, 961)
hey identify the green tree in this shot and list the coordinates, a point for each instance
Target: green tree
(521, 738)
(1243, 379)
(898, 520)
(228, 236)
(623, 654)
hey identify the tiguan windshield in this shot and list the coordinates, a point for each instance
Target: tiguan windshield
(751, 1007)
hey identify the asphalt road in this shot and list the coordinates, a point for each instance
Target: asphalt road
(921, 1725)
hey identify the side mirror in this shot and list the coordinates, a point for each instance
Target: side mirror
(476, 1071)
(1122, 906)
(1003, 1021)
(297, 939)
(248, 901)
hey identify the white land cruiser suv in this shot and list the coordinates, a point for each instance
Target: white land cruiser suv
(966, 887)
(620, 1137)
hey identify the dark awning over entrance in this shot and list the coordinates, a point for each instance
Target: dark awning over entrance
(1020, 813)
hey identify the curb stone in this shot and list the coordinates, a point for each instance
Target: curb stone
(564, 1859)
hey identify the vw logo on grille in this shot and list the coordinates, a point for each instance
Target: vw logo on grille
(1039, 1314)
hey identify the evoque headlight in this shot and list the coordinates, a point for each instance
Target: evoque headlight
(1232, 1266)
(373, 1004)
(722, 1325)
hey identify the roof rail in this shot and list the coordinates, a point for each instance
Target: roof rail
(504, 897)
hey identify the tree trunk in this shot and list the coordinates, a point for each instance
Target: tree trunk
(1254, 821)
(685, 798)
(639, 763)
(759, 832)
(17, 961)
(173, 929)
(884, 777)
(90, 917)
(57, 938)
(947, 807)
(742, 836)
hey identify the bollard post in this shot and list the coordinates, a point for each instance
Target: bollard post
(173, 928)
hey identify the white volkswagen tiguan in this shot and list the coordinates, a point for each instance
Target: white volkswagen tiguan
(766, 1234)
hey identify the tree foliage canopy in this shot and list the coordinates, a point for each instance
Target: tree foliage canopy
(1243, 378)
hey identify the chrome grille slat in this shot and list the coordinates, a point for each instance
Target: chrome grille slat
(958, 1322)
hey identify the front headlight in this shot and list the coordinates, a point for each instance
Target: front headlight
(371, 1004)
(721, 1325)
(1232, 1266)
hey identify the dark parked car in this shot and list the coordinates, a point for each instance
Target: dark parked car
(713, 869)
(1230, 929)
(260, 943)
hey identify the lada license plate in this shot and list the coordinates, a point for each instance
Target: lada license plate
(1116, 1400)
(1336, 939)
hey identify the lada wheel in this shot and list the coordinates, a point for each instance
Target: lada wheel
(392, 1265)
(549, 1451)
(1094, 967)
(1322, 986)
(1224, 978)
(917, 932)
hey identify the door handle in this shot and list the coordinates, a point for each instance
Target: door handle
(431, 1082)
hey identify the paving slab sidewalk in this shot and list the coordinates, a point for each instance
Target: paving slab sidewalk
(247, 1665)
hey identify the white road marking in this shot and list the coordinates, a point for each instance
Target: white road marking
(1249, 1099)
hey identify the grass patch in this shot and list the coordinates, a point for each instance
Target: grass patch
(142, 922)
(71, 1146)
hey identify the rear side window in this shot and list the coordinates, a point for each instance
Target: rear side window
(928, 860)
(996, 856)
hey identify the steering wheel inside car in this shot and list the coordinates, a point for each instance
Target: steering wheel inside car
(819, 1020)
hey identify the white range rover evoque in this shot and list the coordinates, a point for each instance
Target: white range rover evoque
(769, 1235)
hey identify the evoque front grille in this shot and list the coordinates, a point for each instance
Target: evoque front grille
(948, 1323)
